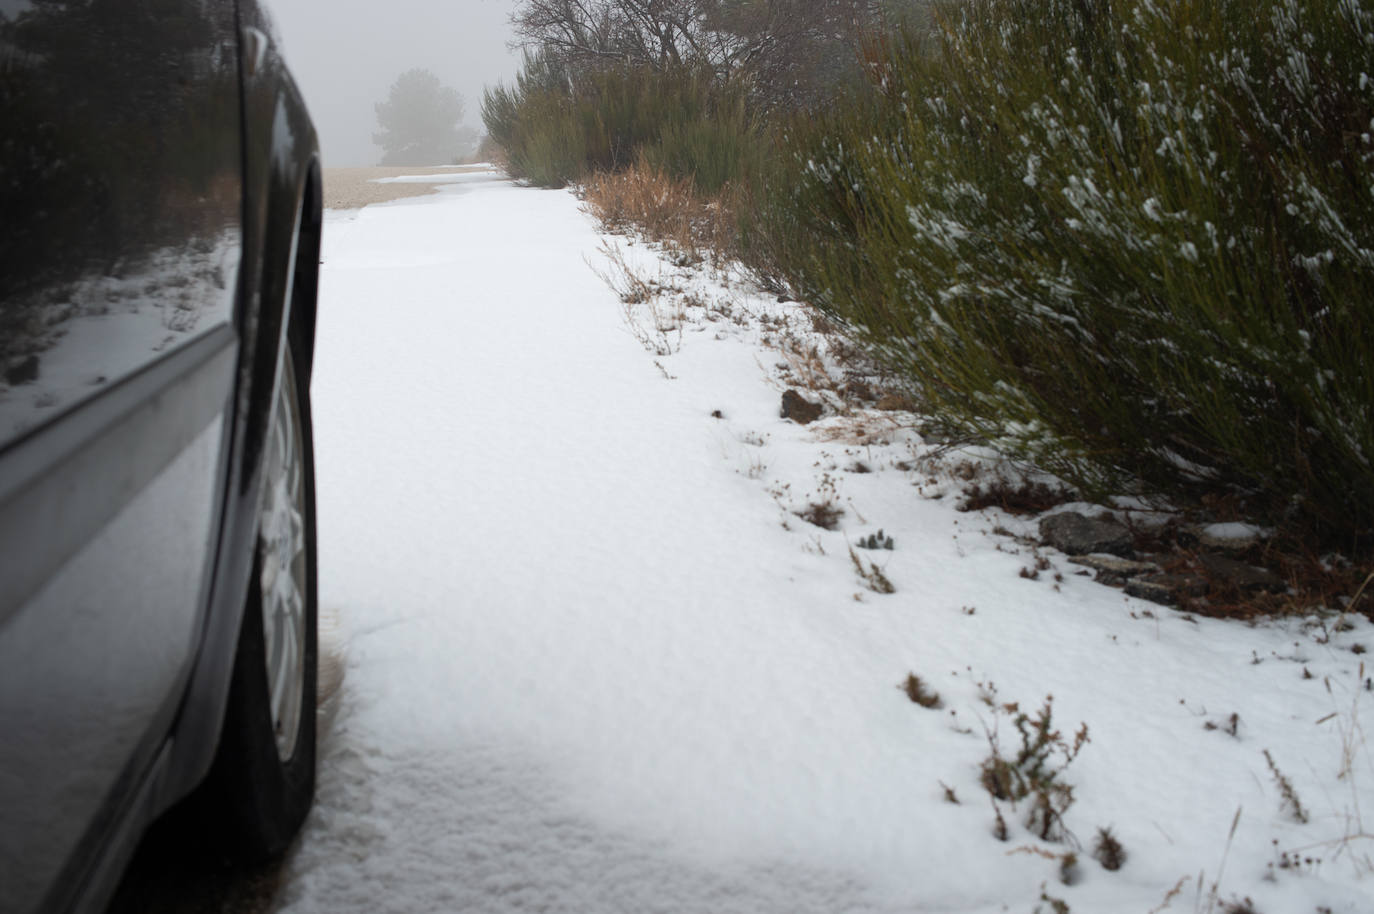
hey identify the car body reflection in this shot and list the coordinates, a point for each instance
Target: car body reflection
(105, 327)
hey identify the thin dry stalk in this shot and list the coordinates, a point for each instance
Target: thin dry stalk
(1287, 791)
(1354, 745)
(659, 329)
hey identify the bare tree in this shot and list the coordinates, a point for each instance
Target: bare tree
(791, 52)
(794, 53)
(654, 33)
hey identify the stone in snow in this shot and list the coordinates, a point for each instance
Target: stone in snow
(798, 408)
(1078, 534)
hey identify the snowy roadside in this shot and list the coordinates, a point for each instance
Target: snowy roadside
(596, 661)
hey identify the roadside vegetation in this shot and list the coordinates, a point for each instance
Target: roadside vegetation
(1130, 243)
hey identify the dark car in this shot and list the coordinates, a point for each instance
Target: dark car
(159, 242)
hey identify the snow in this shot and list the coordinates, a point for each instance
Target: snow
(467, 175)
(594, 662)
(1236, 531)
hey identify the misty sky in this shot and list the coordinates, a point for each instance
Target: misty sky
(345, 55)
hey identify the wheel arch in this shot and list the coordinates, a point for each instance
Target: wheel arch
(306, 284)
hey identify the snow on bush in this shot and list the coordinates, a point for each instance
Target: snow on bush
(1131, 241)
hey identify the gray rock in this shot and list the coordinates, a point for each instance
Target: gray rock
(1166, 589)
(1078, 534)
(798, 408)
(1114, 571)
(1246, 578)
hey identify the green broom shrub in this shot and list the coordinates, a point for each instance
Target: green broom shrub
(557, 127)
(1131, 241)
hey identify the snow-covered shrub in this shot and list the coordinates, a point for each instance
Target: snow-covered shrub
(1131, 240)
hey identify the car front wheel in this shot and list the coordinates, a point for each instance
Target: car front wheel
(263, 779)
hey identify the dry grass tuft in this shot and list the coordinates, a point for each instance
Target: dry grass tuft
(1035, 773)
(825, 515)
(872, 575)
(916, 690)
(1069, 872)
(664, 209)
(1108, 851)
(1239, 906)
(1051, 904)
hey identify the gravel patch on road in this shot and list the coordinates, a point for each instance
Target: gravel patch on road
(353, 188)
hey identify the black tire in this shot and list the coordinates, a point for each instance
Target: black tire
(260, 798)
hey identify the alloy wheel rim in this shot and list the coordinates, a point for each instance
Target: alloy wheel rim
(281, 548)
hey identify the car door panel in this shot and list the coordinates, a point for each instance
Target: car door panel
(119, 355)
(92, 663)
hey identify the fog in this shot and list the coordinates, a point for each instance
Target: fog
(345, 55)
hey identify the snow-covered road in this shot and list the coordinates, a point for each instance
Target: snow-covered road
(592, 667)
(553, 602)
